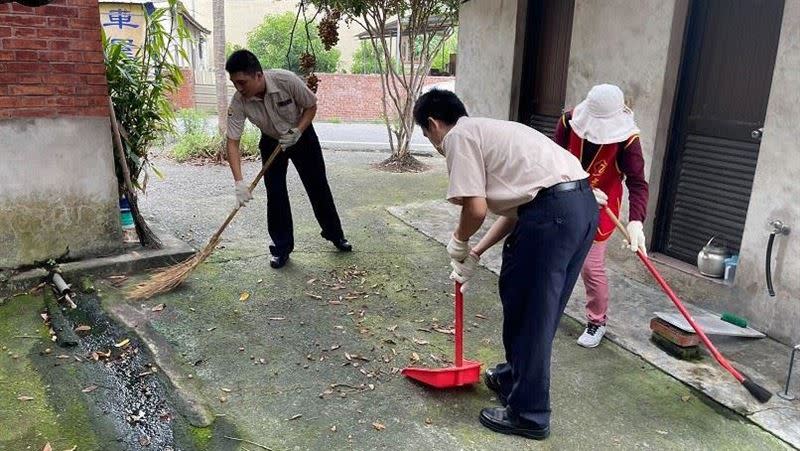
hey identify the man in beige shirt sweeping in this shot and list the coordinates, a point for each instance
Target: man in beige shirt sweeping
(548, 213)
(282, 107)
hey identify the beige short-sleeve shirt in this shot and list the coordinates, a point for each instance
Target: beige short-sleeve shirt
(280, 109)
(507, 163)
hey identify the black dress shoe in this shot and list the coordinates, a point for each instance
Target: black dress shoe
(492, 382)
(343, 245)
(499, 419)
(278, 261)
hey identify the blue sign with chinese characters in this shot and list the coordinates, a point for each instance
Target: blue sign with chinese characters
(120, 18)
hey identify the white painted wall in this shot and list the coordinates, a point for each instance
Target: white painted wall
(57, 190)
(486, 49)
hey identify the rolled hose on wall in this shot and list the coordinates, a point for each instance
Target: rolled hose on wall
(768, 269)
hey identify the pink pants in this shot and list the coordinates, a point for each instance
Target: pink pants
(596, 283)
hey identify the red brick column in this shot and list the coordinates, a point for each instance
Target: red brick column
(51, 60)
(184, 96)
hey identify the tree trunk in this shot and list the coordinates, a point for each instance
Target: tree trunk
(220, 80)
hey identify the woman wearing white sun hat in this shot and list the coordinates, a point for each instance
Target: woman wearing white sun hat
(600, 131)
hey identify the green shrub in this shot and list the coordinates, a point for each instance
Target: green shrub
(200, 143)
(192, 120)
(249, 143)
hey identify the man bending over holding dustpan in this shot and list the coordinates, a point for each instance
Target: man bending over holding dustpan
(549, 215)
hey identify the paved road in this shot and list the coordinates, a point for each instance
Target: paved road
(358, 136)
(365, 136)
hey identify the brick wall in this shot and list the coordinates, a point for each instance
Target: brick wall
(184, 97)
(350, 97)
(51, 60)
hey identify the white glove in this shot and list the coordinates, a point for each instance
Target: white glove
(243, 194)
(636, 232)
(463, 271)
(290, 138)
(457, 249)
(600, 197)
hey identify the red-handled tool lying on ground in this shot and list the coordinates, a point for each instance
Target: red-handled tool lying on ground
(760, 393)
(465, 372)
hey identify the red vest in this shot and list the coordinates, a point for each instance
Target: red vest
(605, 174)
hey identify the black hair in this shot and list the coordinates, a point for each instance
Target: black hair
(243, 61)
(438, 104)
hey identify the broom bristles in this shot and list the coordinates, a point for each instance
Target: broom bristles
(170, 277)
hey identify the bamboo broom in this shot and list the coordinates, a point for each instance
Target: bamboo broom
(169, 278)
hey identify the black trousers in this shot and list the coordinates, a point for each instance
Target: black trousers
(542, 259)
(306, 156)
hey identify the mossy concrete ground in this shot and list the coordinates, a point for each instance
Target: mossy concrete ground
(307, 357)
(62, 396)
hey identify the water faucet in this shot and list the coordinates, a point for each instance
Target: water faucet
(779, 228)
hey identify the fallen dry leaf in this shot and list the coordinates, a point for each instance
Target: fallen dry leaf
(295, 417)
(226, 390)
(25, 398)
(158, 308)
(312, 295)
(100, 355)
(481, 316)
(333, 428)
(259, 280)
(83, 328)
(686, 398)
(392, 328)
(418, 341)
(62, 357)
(89, 389)
(72, 449)
(122, 343)
(378, 426)
(415, 356)
(428, 421)
(47, 447)
(277, 318)
(244, 296)
(310, 281)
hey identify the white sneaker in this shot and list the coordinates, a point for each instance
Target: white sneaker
(591, 336)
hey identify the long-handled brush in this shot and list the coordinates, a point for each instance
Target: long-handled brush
(760, 393)
(170, 277)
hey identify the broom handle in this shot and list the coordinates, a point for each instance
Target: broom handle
(252, 186)
(459, 314)
(719, 357)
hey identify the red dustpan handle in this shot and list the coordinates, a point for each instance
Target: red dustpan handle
(459, 314)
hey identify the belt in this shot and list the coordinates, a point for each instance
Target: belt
(566, 186)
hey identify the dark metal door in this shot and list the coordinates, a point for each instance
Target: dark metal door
(546, 58)
(729, 56)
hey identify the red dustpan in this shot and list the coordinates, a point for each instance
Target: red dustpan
(465, 372)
